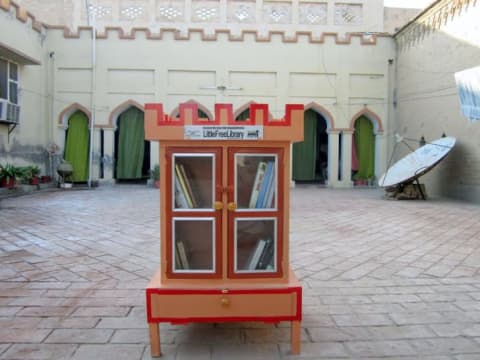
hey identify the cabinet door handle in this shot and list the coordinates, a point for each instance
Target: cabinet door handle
(232, 206)
(224, 301)
(218, 205)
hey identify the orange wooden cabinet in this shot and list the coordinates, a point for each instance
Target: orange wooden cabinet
(224, 209)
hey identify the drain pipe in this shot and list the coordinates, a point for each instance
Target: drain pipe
(91, 22)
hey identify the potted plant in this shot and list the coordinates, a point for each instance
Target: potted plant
(30, 174)
(45, 179)
(155, 175)
(9, 174)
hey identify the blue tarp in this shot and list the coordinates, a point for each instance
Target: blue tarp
(468, 85)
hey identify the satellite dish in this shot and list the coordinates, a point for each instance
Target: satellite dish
(417, 163)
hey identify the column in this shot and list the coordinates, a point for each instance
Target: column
(154, 153)
(382, 155)
(346, 180)
(108, 146)
(96, 155)
(333, 158)
(55, 159)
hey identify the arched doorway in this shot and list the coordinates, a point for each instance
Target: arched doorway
(77, 140)
(244, 115)
(132, 151)
(200, 114)
(363, 151)
(310, 157)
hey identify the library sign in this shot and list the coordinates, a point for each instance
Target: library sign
(196, 132)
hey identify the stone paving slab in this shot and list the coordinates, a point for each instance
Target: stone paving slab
(395, 280)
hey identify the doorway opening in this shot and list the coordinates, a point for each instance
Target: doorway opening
(77, 141)
(131, 150)
(310, 157)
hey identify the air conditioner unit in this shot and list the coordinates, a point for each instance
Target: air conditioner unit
(13, 113)
(3, 109)
(9, 112)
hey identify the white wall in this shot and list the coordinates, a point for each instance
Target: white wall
(27, 142)
(428, 103)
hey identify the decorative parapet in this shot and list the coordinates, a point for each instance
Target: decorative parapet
(119, 33)
(21, 14)
(160, 126)
(431, 19)
(346, 39)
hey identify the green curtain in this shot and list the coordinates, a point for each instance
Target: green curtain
(365, 147)
(244, 115)
(304, 153)
(76, 146)
(131, 144)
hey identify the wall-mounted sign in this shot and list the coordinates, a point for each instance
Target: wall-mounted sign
(209, 132)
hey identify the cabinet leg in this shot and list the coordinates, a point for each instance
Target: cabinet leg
(296, 336)
(154, 339)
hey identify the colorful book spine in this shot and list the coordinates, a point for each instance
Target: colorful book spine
(266, 256)
(269, 198)
(260, 174)
(182, 254)
(255, 256)
(180, 200)
(187, 180)
(264, 187)
(183, 186)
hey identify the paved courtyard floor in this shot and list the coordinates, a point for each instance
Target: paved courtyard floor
(382, 279)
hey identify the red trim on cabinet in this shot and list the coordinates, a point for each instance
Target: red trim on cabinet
(176, 320)
(279, 214)
(218, 110)
(170, 213)
(253, 113)
(183, 107)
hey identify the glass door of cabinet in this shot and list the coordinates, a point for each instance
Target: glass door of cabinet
(255, 236)
(194, 224)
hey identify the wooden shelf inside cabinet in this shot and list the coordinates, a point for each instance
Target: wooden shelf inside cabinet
(224, 218)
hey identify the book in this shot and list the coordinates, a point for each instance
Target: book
(255, 255)
(180, 200)
(261, 200)
(183, 186)
(269, 198)
(178, 262)
(260, 174)
(187, 180)
(266, 258)
(182, 254)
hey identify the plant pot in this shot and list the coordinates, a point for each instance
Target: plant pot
(45, 179)
(360, 182)
(35, 180)
(8, 183)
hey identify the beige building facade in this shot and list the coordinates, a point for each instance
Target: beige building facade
(120, 69)
(341, 70)
(236, 16)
